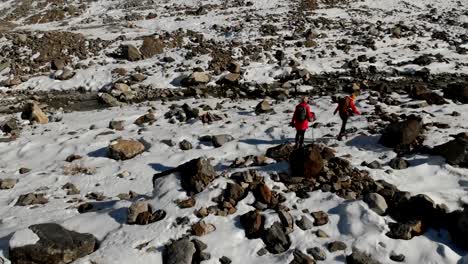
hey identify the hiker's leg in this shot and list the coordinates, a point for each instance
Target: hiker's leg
(297, 137)
(344, 120)
(301, 137)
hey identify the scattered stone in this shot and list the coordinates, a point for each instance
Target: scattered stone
(359, 257)
(286, 220)
(130, 53)
(253, 223)
(320, 233)
(122, 149)
(31, 199)
(317, 253)
(374, 165)
(187, 203)
(55, 245)
(454, 151)
(179, 252)
(457, 92)
(33, 113)
(117, 125)
(185, 145)
(305, 223)
(336, 246)
(225, 260)
(275, 239)
(376, 203)
(398, 164)
(6, 184)
(196, 78)
(109, 100)
(149, 117)
(402, 133)
(263, 107)
(397, 257)
(280, 152)
(306, 162)
(71, 189)
(201, 228)
(301, 258)
(73, 157)
(151, 46)
(220, 140)
(320, 218)
(24, 170)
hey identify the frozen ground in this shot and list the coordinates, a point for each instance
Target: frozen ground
(43, 149)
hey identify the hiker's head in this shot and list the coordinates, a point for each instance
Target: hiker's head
(304, 99)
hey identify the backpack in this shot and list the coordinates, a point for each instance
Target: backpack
(343, 105)
(301, 113)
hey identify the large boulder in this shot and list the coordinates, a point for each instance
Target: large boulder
(179, 252)
(376, 203)
(454, 151)
(196, 175)
(306, 162)
(402, 133)
(280, 152)
(50, 243)
(457, 92)
(122, 149)
(420, 92)
(33, 112)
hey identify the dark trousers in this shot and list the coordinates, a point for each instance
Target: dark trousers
(344, 119)
(300, 137)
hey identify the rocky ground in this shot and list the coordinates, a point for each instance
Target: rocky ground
(157, 132)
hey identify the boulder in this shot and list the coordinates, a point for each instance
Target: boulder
(253, 223)
(142, 213)
(459, 228)
(457, 92)
(230, 79)
(220, 140)
(305, 223)
(116, 125)
(6, 184)
(376, 203)
(402, 133)
(398, 164)
(179, 252)
(57, 64)
(151, 46)
(280, 152)
(185, 145)
(196, 175)
(33, 113)
(287, 221)
(196, 78)
(275, 239)
(109, 100)
(201, 228)
(306, 162)
(318, 253)
(301, 258)
(146, 118)
(336, 246)
(454, 151)
(320, 218)
(11, 125)
(31, 199)
(359, 257)
(53, 244)
(122, 149)
(130, 53)
(420, 92)
(263, 107)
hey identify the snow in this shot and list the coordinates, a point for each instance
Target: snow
(23, 238)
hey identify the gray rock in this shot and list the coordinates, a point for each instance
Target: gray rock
(263, 107)
(56, 245)
(322, 234)
(275, 239)
(225, 260)
(336, 246)
(397, 257)
(130, 53)
(301, 258)
(359, 257)
(6, 184)
(116, 125)
(109, 100)
(185, 145)
(31, 199)
(320, 218)
(317, 253)
(179, 252)
(398, 164)
(376, 203)
(305, 223)
(220, 140)
(374, 165)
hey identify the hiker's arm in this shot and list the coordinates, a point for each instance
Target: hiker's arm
(353, 107)
(293, 121)
(336, 110)
(310, 114)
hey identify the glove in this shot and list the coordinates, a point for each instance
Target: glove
(291, 124)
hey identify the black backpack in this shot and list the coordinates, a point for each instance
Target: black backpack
(301, 113)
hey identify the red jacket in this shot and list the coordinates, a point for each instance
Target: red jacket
(351, 106)
(304, 124)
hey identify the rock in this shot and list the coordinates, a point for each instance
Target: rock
(458, 228)
(220, 140)
(234, 192)
(359, 257)
(376, 203)
(420, 92)
(120, 88)
(234, 67)
(317, 253)
(31, 198)
(336, 246)
(225, 260)
(301, 258)
(454, 151)
(146, 118)
(320, 233)
(230, 79)
(263, 194)
(185, 145)
(187, 203)
(457, 92)
(24, 170)
(253, 223)
(320, 218)
(109, 100)
(122, 149)
(201, 228)
(142, 213)
(117, 125)
(179, 252)
(305, 223)
(33, 113)
(55, 245)
(399, 231)
(65, 74)
(10, 126)
(196, 78)
(402, 133)
(130, 53)
(286, 220)
(57, 64)
(374, 165)
(280, 152)
(306, 162)
(6, 184)
(196, 175)
(151, 46)
(397, 257)
(275, 239)
(73, 157)
(398, 164)
(263, 107)
(71, 189)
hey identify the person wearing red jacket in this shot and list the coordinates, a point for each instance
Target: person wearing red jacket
(301, 118)
(346, 108)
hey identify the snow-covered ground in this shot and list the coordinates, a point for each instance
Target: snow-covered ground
(44, 148)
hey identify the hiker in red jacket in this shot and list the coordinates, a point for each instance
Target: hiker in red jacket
(346, 108)
(302, 116)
